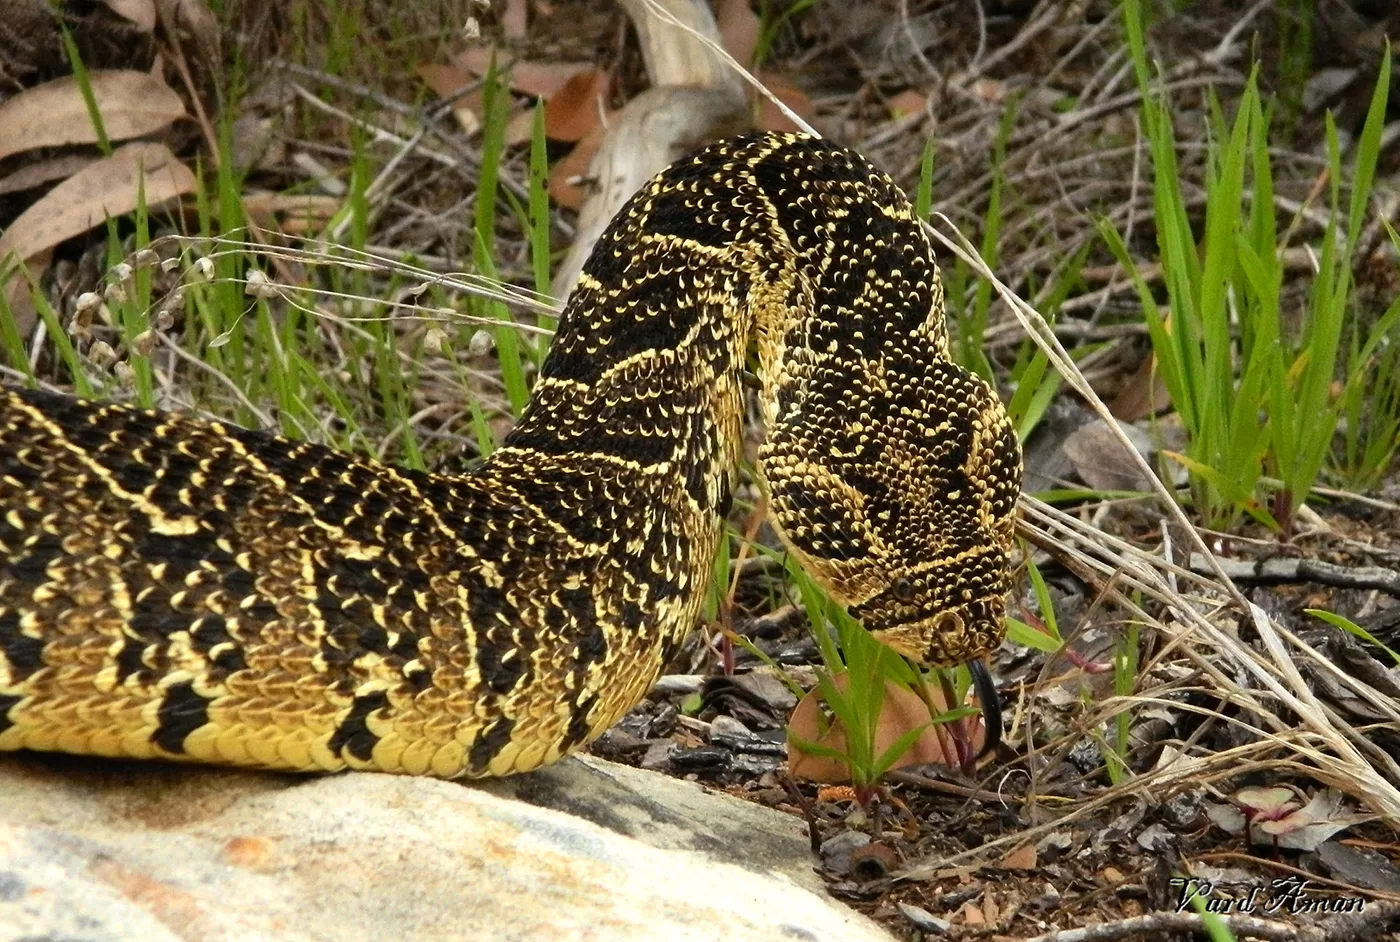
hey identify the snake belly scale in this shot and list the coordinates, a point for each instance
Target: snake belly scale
(184, 589)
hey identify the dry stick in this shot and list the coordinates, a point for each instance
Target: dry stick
(379, 134)
(1089, 36)
(1346, 926)
(1283, 570)
(1234, 855)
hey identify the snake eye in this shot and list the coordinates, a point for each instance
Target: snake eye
(902, 589)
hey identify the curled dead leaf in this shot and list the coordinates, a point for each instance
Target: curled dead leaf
(131, 104)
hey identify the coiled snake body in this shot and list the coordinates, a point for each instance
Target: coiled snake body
(184, 589)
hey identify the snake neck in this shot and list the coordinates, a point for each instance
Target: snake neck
(640, 399)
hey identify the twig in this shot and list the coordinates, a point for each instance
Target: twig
(1280, 570)
(1350, 925)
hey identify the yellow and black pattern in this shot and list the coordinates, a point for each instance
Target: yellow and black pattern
(183, 589)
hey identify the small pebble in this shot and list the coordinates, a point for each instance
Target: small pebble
(923, 919)
(836, 850)
(702, 757)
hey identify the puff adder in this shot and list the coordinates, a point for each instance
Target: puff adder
(184, 589)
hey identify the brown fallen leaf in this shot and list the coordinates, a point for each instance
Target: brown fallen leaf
(1022, 858)
(972, 915)
(291, 213)
(445, 80)
(739, 27)
(194, 19)
(1143, 394)
(131, 104)
(540, 79)
(43, 171)
(573, 165)
(576, 108)
(109, 187)
(520, 128)
(770, 116)
(910, 101)
(17, 293)
(514, 19)
(902, 711)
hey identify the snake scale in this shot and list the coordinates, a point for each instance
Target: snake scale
(184, 589)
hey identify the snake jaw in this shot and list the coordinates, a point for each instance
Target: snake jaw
(953, 636)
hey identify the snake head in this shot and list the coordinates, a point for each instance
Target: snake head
(919, 622)
(908, 520)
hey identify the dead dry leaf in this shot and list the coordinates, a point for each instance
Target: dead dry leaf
(1022, 858)
(910, 101)
(445, 81)
(901, 712)
(1142, 394)
(520, 128)
(131, 104)
(770, 116)
(109, 187)
(140, 12)
(17, 294)
(194, 18)
(43, 171)
(574, 165)
(540, 79)
(514, 19)
(291, 213)
(739, 28)
(576, 108)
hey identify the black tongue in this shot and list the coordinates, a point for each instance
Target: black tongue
(986, 689)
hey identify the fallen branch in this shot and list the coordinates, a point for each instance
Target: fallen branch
(1281, 570)
(1358, 925)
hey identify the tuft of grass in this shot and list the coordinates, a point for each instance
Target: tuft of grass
(1222, 348)
(1034, 382)
(871, 667)
(968, 316)
(1303, 413)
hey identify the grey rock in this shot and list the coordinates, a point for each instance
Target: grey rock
(671, 814)
(117, 851)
